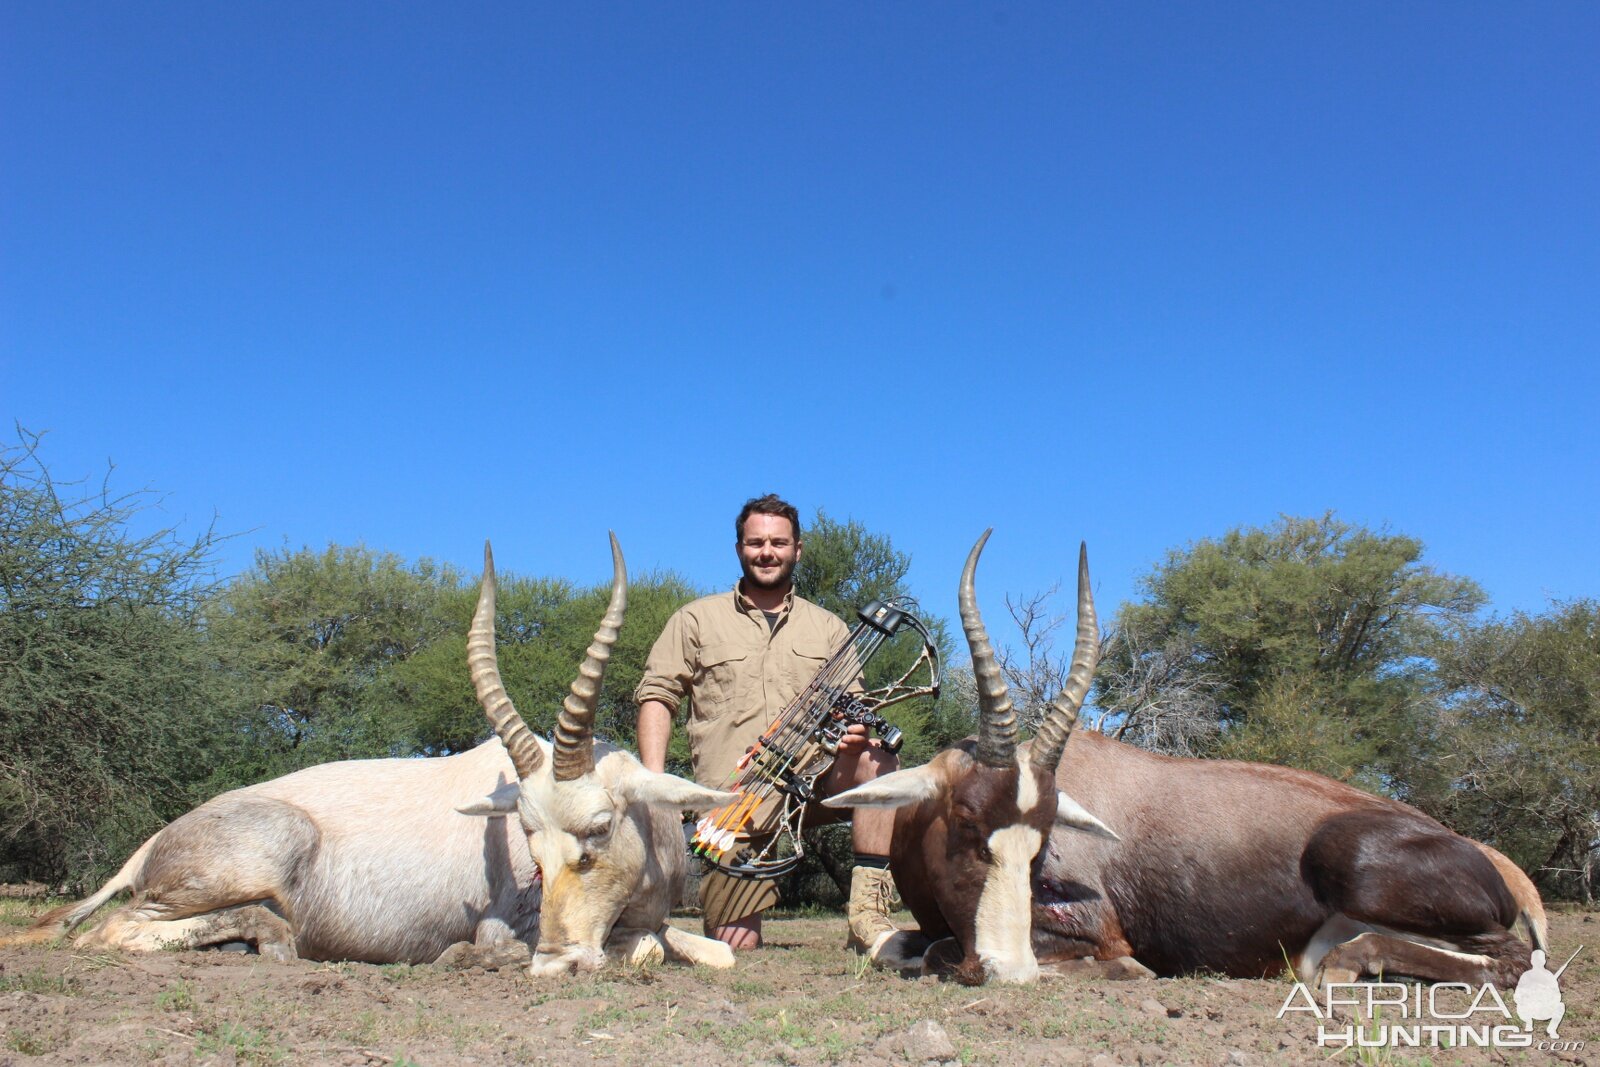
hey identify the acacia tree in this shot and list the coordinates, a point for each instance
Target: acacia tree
(307, 634)
(1317, 638)
(1036, 671)
(1519, 742)
(843, 567)
(110, 715)
(425, 703)
(1163, 698)
(1158, 698)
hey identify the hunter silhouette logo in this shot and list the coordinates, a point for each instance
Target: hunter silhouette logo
(1538, 995)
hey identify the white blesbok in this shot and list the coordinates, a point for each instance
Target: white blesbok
(604, 831)
(392, 861)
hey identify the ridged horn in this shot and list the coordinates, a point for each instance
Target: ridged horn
(526, 755)
(1051, 738)
(997, 718)
(574, 755)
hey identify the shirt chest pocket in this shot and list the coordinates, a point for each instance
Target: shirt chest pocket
(722, 680)
(806, 663)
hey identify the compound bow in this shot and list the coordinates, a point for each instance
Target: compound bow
(759, 835)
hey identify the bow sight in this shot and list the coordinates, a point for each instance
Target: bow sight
(759, 835)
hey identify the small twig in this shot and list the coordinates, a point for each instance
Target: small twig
(371, 1054)
(174, 1033)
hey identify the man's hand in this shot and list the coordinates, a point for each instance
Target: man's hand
(855, 740)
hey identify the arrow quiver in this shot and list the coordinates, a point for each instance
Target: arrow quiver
(759, 835)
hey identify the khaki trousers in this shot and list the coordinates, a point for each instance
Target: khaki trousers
(725, 898)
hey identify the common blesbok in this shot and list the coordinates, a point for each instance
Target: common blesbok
(393, 860)
(1184, 865)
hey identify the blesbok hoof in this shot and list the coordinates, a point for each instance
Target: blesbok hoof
(1126, 969)
(647, 953)
(574, 960)
(1121, 969)
(941, 958)
(638, 949)
(277, 950)
(899, 951)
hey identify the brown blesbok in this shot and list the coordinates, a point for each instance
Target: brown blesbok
(1198, 864)
(392, 860)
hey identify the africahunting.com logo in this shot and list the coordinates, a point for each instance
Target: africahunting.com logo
(1442, 1015)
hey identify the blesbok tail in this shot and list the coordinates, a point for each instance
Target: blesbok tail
(1530, 909)
(57, 921)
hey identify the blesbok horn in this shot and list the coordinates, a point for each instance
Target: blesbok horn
(526, 755)
(997, 718)
(1051, 737)
(574, 753)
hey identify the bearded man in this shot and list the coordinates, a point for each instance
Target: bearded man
(738, 659)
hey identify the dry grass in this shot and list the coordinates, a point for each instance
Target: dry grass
(801, 1000)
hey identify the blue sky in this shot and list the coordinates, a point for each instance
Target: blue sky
(414, 275)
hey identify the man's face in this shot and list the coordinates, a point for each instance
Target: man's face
(768, 552)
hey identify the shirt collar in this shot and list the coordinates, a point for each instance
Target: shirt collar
(748, 606)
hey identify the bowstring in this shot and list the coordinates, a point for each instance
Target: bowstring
(759, 780)
(835, 675)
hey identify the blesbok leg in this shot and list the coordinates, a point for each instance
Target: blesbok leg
(1497, 958)
(133, 929)
(692, 948)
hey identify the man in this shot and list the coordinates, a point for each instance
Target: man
(740, 658)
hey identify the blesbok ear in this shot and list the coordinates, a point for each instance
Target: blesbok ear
(892, 790)
(670, 791)
(503, 801)
(1070, 813)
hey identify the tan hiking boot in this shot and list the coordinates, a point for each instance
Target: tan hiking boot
(872, 932)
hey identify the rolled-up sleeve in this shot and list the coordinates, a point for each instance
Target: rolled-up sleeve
(668, 671)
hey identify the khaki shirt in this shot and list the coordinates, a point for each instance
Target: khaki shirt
(736, 672)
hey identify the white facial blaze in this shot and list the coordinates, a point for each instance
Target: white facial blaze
(1027, 785)
(605, 845)
(1005, 908)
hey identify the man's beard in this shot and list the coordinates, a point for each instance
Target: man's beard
(785, 576)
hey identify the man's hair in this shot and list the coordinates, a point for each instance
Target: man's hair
(771, 504)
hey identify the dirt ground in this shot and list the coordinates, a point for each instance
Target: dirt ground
(800, 1000)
